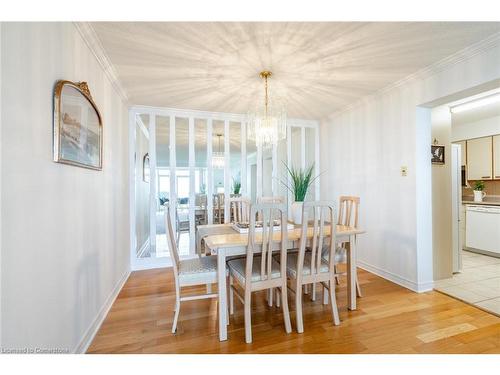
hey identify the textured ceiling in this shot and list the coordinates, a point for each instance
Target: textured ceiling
(318, 68)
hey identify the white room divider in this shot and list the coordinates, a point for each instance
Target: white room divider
(254, 165)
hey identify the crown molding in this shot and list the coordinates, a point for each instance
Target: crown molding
(91, 39)
(443, 64)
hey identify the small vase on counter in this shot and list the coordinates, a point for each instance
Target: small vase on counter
(479, 193)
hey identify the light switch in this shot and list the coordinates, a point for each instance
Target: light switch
(404, 171)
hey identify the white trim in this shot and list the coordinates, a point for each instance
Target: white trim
(302, 147)
(426, 72)
(173, 178)
(243, 174)
(153, 202)
(191, 161)
(258, 193)
(152, 263)
(143, 128)
(143, 248)
(210, 173)
(274, 172)
(408, 284)
(90, 38)
(317, 161)
(132, 162)
(89, 335)
(227, 170)
(289, 158)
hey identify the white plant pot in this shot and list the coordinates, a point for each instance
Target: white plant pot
(297, 212)
(479, 195)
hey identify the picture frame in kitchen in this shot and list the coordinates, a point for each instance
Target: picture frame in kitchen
(77, 126)
(437, 154)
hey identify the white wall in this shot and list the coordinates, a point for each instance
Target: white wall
(364, 147)
(142, 192)
(65, 243)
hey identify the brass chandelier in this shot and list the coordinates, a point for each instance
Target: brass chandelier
(267, 121)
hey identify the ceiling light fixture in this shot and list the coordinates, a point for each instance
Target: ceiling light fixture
(267, 122)
(475, 103)
(218, 160)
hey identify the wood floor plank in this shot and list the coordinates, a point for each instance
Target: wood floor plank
(389, 319)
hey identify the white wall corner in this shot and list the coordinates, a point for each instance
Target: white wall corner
(443, 64)
(90, 38)
(424, 255)
(89, 335)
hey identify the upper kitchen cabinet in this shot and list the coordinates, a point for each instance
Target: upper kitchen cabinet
(479, 160)
(496, 156)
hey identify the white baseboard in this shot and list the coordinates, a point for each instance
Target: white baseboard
(96, 324)
(408, 284)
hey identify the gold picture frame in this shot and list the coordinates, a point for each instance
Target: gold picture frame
(77, 126)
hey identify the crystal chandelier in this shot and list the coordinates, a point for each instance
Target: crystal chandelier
(218, 160)
(267, 123)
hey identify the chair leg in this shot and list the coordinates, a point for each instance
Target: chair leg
(176, 315)
(278, 297)
(358, 288)
(333, 302)
(270, 294)
(313, 294)
(337, 279)
(306, 288)
(298, 311)
(248, 316)
(325, 295)
(284, 303)
(231, 295)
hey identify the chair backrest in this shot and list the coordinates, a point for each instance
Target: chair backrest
(171, 242)
(268, 238)
(239, 210)
(218, 203)
(321, 214)
(200, 200)
(348, 211)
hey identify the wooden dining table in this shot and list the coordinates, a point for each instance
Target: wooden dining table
(231, 243)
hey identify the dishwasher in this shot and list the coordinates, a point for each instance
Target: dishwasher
(482, 229)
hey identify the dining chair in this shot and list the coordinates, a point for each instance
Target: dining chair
(348, 216)
(189, 272)
(261, 272)
(310, 267)
(218, 208)
(239, 210)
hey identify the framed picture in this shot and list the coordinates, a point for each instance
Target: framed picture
(145, 168)
(437, 154)
(77, 126)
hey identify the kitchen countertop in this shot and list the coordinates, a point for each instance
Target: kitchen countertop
(493, 200)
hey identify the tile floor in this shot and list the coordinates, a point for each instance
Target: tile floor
(477, 284)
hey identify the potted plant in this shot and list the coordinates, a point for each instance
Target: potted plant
(479, 193)
(300, 181)
(236, 186)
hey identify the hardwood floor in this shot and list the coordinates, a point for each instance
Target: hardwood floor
(389, 319)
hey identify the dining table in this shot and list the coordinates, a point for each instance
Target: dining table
(224, 241)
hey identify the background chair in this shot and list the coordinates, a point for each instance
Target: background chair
(190, 272)
(310, 267)
(239, 210)
(261, 272)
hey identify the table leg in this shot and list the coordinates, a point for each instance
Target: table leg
(222, 291)
(351, 273)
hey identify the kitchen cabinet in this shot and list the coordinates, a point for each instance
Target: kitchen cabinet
(479, 158)
(496, 157)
